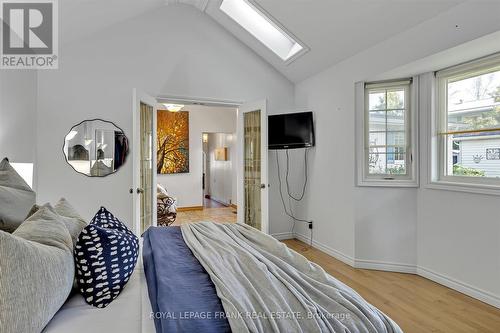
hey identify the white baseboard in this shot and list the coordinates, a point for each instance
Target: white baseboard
(283, 235)
(464, 288)
(385, 266)
(459, 286)
(328, 250)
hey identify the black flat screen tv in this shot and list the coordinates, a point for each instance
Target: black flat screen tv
(290, 131)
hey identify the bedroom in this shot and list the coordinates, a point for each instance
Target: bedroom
(440, 235)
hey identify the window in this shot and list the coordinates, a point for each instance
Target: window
(386, 150)
(25, 170)
(262, 27)
(468, 123)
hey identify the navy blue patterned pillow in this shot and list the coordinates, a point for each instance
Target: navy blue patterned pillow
(105, 256)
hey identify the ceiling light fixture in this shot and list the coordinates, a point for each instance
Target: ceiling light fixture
(173, 107)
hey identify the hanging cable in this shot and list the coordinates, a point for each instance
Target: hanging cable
(282, 197)
(290, 214)
(305, 176)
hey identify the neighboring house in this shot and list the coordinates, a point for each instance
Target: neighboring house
(479, 151)
(384, 153)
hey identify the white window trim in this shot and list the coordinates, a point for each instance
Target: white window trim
(361, 130)
(436, 143)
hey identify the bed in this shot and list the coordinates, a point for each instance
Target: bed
(129, 313)
(214, 277)
(209, 277)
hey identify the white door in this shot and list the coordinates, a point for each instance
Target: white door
(144, 161)
(253, 188)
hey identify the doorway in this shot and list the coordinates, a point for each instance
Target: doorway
(219, 176)
(244, 157)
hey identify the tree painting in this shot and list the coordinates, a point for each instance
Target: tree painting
(173, 142)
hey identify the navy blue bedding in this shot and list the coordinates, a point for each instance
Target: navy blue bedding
(183, 297)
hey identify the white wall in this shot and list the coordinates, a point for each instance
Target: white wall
(18, 115)
(221, 178)
(176, 50)
(187, 187)
(390, 228)
(452, 234)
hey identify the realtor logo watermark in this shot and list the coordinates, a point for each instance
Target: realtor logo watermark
(29, 38)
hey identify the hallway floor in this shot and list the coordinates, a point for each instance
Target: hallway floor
(221, 215)
(209, 203)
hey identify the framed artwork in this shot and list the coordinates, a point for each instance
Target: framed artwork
(173, 142)
(493, 153)
(221, 154)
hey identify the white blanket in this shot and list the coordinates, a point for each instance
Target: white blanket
(266, 287)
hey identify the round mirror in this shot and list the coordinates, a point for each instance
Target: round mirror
(95, 148)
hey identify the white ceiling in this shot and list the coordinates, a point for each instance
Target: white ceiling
(333, 29)
(80, 18)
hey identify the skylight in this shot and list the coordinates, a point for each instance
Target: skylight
(262, 27)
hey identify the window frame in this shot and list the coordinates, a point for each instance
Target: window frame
(363, 177)
(439, 156)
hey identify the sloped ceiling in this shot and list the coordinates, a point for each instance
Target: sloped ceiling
(80, 18)
(333, 29)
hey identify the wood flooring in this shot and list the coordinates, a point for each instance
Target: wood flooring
(417, 304)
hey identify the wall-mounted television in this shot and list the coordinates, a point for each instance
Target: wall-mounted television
(290, 131)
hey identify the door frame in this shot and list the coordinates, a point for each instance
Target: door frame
(248, 107)
(260, 105)
(138, 98)
(236, 159)
(203, 101)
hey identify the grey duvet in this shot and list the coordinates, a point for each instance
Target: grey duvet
(266, 287)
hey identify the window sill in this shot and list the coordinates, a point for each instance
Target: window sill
(388, 183)
(464, 187)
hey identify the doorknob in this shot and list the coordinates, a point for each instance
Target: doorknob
(262, 186)
(140, 190)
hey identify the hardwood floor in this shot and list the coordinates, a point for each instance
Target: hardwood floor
(209, 203)
(417, 304)
(221, 215)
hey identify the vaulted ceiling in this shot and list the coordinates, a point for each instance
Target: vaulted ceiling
(333, 29)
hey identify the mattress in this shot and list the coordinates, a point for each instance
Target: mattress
(130, 312)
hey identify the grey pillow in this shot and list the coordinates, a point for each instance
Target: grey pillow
(64, 208)
(36, 272)
(73, 221)
(67, 214)
(16, 197)
(32, 211)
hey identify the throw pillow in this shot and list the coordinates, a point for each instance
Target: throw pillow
(67, 214)
(105, 256)
(36, 272)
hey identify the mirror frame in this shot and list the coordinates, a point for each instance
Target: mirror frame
(84, 174)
